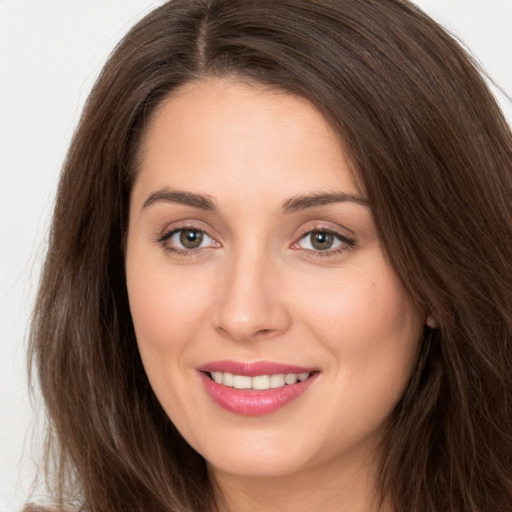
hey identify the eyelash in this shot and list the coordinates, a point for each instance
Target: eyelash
(346, 243)
(178, 251)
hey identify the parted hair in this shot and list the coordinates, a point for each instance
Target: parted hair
(433, 152)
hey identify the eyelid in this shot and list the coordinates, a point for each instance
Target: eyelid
(347, 242)
(310, 227)
(166, 234)
(177, 225)
(174, 232)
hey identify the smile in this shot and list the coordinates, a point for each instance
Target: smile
(258, 382)
(254, 389)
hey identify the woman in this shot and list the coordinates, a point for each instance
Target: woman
(279, 271)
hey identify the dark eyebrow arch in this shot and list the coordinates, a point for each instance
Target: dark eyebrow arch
(314, 200)
(167, 195)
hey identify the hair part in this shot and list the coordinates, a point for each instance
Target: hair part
(434, 153)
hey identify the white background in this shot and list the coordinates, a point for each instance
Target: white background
(50, 54)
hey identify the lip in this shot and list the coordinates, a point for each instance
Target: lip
(254, 402)
(254, 368)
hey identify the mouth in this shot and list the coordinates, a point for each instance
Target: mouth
(253, 389)
(258, 382)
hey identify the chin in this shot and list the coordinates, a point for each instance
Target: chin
(268, 465)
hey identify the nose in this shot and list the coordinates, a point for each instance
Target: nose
(251, 301)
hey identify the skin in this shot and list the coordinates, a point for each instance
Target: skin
(257, 289)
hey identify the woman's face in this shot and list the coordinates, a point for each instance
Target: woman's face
(272, 328)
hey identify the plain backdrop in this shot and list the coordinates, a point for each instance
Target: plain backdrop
(50, 54)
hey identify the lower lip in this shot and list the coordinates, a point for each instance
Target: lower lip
(254, 402)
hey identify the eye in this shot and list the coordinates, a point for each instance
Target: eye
(320, 241)
(324, 240)
(187, 239)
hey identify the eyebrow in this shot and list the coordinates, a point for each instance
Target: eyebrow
(167, 195)
(304, 202)
(294, 204)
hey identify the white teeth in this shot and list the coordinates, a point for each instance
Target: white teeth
(260, 382)
(277, 381)
(228, 379)
(242, 382)
(291, 378)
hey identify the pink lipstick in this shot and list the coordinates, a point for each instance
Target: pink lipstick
(254, 389)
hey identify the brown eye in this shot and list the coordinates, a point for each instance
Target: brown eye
(322, 240)
(187, 241)
(191, 238)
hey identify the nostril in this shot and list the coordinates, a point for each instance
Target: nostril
(264, 333)
(252, 320)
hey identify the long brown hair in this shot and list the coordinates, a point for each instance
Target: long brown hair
(434, 154)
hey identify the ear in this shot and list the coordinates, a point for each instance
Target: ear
(431, 322)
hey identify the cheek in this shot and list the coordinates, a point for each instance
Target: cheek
(168, 314)
(160, 303)
(359, 304)
(366, 321)
(372, 333)
(168, 307)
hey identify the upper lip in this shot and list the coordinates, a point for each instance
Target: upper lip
(251, 369)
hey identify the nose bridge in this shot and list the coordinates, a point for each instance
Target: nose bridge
(249, 304)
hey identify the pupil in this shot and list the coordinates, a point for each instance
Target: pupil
(322, 240)
(191, 239)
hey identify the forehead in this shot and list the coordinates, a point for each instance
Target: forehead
(236, 137)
